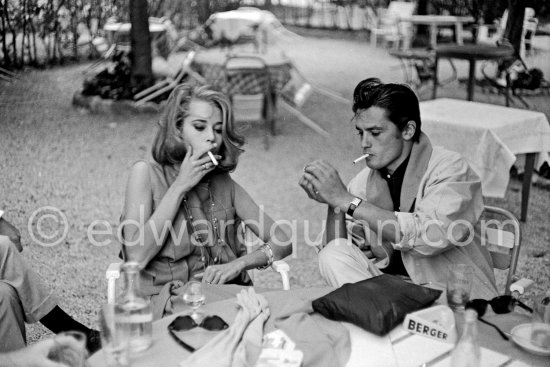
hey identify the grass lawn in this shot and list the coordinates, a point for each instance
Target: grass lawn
(52, 154)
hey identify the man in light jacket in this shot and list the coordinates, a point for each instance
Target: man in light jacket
(415, 207)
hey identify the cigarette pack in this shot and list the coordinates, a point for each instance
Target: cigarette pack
(278, 350)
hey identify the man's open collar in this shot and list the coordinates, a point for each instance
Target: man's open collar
(377, 191)
(418, 164)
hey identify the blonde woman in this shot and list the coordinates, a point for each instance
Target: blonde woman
(188, 206)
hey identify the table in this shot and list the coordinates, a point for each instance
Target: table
(116, 31)
(436, 21)
(390, 350)
(210, 65)
(244, 21)
(472, 53)
(284, 79)
(489, 137)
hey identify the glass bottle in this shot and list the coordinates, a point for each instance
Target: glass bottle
(466, 352)
(136, 315)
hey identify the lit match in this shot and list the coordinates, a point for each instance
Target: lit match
(212, 158)
(361, 158)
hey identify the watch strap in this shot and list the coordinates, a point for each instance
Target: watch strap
(353, 205)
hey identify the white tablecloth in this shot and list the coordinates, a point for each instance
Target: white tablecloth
(234, 23)
(397, 349)
(488, 136)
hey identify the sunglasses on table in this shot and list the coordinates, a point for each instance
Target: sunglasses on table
(500, 305)
(185, 323)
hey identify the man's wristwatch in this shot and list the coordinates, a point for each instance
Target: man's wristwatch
(353, 205)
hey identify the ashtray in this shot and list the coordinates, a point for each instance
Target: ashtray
(521, 335)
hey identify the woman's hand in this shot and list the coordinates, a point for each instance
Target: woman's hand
(221, 274)
(36, 355)
(193, 168)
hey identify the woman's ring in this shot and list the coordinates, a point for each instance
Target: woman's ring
(316, 192)
(205, 166)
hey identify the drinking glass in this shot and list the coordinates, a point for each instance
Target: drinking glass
(114, 337)
(540, 327)
(459, 285)
(194, 297)
(72, 354)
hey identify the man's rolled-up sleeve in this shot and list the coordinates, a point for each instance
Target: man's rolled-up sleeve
(446, 211)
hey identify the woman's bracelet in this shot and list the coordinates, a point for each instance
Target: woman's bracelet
(268, 252)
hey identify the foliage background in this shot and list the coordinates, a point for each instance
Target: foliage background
(46, 32)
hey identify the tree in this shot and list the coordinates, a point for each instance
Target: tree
(514, 24)
(142, 72)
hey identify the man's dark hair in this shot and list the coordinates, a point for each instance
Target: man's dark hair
(399, 101)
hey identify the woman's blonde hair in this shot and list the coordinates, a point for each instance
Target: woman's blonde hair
(169, 147)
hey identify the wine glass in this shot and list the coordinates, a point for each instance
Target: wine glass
(194, 297)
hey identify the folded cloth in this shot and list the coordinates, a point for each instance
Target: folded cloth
(225, 349)
(324, 343)
(377, 304)
(250, 347)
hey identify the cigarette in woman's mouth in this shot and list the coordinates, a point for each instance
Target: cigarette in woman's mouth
(361, 158)
(212, 158)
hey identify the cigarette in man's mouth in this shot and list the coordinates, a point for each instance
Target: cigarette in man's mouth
(212, 158)
(361, 158)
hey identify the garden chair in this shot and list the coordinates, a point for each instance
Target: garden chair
(169, 83)
(91, 38)
(7, 75)
(492, 34)
(418, 67)
(387, 23)
(522, 80)
(295, 93)
(501, 234)
(281, 267)
(247, 83)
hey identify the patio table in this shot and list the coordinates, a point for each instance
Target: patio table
(472, 53)
(243, 21)
(489, 137)
(398, 348)
(210, 64)
(120, 32)
(436, 21)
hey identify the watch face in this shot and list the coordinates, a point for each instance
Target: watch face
(353, 205)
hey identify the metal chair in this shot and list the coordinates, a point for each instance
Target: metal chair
(501, 233)
(7, 75)
(169, 83)
(388, 23)
(418, 67)
(247, 83)
(491, 34)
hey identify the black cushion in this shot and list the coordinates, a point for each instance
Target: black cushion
(377, 304)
